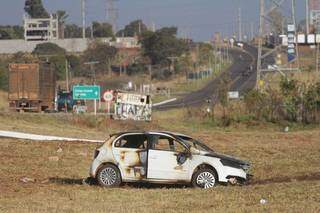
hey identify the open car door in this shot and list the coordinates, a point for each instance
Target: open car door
(163, 156)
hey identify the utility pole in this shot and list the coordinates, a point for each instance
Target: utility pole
(293, 14)
(91, 64)
(307, 18)
(67, 75)
(91, 30)
(240, 24)
(83, 13)
(252, 30)
(173, 60)
(261, 26)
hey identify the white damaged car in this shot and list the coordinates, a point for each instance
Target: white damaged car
(163, 157)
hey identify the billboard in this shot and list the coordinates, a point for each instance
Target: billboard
(129, 106)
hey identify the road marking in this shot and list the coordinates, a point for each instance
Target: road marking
(34, 137)
(164, 102)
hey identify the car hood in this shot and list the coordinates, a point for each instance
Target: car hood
(227, 157)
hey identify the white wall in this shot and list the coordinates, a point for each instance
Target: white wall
(14, 46)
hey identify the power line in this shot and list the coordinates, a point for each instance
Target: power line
(112, 14)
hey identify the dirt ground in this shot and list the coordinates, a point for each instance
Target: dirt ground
(286, 173)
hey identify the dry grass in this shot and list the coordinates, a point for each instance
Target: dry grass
(285, 166)
(4, 101)
(273, 79)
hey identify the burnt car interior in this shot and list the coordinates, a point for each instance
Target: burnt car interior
(138, 141)
(154, 142)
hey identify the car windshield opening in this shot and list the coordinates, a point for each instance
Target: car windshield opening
(196, 144)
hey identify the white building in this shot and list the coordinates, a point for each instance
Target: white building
(41, 29)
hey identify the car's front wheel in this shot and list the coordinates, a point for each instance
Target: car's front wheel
(109, 176)
(204, 178)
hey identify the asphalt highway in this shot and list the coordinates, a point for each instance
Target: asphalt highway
(242, 79)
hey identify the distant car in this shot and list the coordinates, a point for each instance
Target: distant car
(163, 157)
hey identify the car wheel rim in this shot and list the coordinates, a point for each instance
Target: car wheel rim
(108, 176)
(206, 180)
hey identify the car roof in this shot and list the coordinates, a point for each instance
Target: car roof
(175, 134)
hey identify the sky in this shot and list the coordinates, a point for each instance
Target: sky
(198, 19)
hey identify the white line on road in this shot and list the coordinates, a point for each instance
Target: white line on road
(164, 102)
(34, 137)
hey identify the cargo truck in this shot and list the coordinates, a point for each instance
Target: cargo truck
(32, 87)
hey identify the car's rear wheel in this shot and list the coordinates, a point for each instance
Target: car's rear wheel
(204, 178)
(109, 176)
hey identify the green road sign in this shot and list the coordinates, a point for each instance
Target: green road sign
(86, 92)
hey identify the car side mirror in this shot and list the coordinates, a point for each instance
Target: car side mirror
(182, 157)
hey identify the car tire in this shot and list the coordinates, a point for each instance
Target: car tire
(204, 178)
(109, 176)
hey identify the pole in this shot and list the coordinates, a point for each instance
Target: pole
(252, 30)
(260, 44)
(67, 76)
(293, 8)
(317, 58)
(83, 8)
(240, 24)
(92, 30)
(307, 17)
(95, 106)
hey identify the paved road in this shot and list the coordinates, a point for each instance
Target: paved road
(242, 59)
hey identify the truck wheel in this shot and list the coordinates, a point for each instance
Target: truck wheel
(204, 178)
(109, 176)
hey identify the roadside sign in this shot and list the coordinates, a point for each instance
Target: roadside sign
(291, 42)
(86, 92)
(108, 96)
(234, 95)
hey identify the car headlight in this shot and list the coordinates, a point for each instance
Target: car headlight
(246, 167)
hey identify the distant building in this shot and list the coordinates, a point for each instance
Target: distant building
(41, 29)
(314, 6)
(122, 42)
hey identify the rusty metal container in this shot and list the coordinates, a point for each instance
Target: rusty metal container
(32, 87)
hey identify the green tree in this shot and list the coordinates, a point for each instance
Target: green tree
(55, 54)
(3, 75)
(72, 31)
(102, 30)
(160, 45)
(103, 53)
(134, 28)
(291, 91)
(11, 32)
(75, 65)
(4, 35)
(48, 49)
(62, 17)
(35, 9)
(205, 53)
